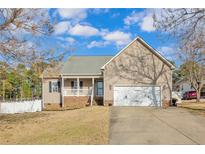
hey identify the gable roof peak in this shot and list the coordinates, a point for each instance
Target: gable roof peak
(138, 38)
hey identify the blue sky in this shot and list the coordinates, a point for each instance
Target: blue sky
(105, 31)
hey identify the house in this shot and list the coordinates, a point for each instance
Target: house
(136, 76)
(183, 85)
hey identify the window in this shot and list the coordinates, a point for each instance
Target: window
(74, 84)
(54, 86)
(99, 91)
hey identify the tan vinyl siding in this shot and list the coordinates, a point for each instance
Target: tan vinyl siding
(53, 97)
(138, 66)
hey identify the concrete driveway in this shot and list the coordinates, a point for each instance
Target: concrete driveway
(144, 125)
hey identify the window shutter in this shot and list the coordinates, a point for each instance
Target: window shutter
(72, 84)
(59, 86)
(81, 84)
(50, 87)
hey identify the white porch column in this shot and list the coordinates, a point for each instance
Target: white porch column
(42, 92)
(62, 91)
(78, 86)
(93, 87)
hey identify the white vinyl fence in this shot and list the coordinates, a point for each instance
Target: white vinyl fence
(21, 106)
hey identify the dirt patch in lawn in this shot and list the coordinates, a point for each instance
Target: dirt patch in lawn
(15, 118)
(80, 126)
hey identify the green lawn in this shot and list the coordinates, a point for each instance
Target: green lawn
(80, 126)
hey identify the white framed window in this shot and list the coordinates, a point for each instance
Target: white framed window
(74, 84)
(54, 86)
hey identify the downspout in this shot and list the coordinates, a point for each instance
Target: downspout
(92, 95)
(62, 85)
(42, 94)
(103, 87)
(171, 88)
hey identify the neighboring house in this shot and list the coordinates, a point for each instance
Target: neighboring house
(137, 76)
(183, 86)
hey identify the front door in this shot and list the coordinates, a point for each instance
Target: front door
(99, 88)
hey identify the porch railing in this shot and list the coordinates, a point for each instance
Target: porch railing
(77, 92)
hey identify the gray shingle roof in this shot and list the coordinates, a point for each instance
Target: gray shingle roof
(84, 65)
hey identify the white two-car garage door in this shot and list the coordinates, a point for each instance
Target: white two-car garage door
(137, 96)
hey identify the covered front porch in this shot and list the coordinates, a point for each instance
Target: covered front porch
(81, 89)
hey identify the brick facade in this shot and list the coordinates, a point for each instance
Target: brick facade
(52, 106)
(73, 102)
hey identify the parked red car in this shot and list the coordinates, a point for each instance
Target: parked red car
(192, 95)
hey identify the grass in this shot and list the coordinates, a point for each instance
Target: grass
(80, 126)
(193, 105)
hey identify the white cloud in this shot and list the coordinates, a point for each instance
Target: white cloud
(166, 49)
(133, 18)
(118, 37)
(70, 40)
(169, 52)
(97, 44)
(104, 31)
(61, 27)
(83, 30)
(77, 14)
(143, 19)
(147, 23)
(114, 15)
(65, 40)
(100, 10)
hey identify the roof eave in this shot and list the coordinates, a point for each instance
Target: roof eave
(157, 53)
(172, 67)
(94, 74)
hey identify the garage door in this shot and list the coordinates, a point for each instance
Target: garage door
(137, 96)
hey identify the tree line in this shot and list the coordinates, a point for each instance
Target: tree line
(18, 83)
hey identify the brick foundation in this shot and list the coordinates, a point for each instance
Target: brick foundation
(74, 102)
(108, 103)
(98, 101)
(52, 106)
(165, 104)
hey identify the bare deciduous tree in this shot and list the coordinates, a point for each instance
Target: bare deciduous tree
(187, 26)
(15, 25)
(195, 74)
(21, 34)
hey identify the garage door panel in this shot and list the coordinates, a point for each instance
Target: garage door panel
(137, 96)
